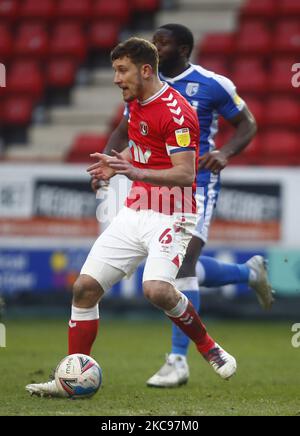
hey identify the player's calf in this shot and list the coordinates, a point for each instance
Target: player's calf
(187, 319)
(84, 322)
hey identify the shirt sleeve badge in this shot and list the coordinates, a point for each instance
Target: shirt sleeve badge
(183, 137)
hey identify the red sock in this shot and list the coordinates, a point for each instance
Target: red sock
(190, 323)
(82, 335)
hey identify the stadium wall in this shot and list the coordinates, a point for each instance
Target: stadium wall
(48, 224)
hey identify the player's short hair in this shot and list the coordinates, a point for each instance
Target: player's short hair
(182, 35)
(139, 51)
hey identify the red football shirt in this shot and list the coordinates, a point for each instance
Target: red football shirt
(157, 128)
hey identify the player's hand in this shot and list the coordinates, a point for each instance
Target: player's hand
(101, 170)
(121, 166)
(215, 161)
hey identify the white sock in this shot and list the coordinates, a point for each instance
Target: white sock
(180, 308)
(89, 314)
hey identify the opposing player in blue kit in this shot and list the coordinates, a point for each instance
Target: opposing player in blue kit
(211, 95)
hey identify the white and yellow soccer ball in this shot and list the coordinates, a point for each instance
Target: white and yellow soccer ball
(78, 376)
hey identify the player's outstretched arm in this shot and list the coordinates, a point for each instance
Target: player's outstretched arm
(181, 174)
(245, 129)
(102, 171)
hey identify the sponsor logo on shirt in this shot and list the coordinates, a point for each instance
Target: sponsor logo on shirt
(138, 154)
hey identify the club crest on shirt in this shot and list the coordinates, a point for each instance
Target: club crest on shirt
(192, 89)
(144, 129)
(183, 137)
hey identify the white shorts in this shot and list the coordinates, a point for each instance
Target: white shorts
(134, 236)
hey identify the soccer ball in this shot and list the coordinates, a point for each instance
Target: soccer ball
(78, 376)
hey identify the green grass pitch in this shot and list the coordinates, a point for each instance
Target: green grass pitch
(267, 382)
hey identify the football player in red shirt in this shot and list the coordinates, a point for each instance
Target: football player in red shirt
(159, 216)
(211, 95)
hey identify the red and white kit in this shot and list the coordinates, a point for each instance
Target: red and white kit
(156, 222)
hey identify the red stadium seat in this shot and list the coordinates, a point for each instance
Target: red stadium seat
(68, 41)
(145, 5)
(253, 152)
(280, 147)
(217, 43)
(31, 41)
(225, 132)
(61, 73)
(112, 10)
(75, 10)
(287, 37)
(280, 75)
(221, 138)
(250, 76)
(264, 9)
(6, 44)
(254, 38)
(9, 11)
(68, 27)
(283, 112)
(26, 79)
(17, 111)
(216, 64)
(37, 10)
(104, 35)
(251, 155)
(84, 145)
(284, 26)
(289, 8)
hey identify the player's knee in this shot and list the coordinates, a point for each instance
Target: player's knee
(86, 291)
(160, 294)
